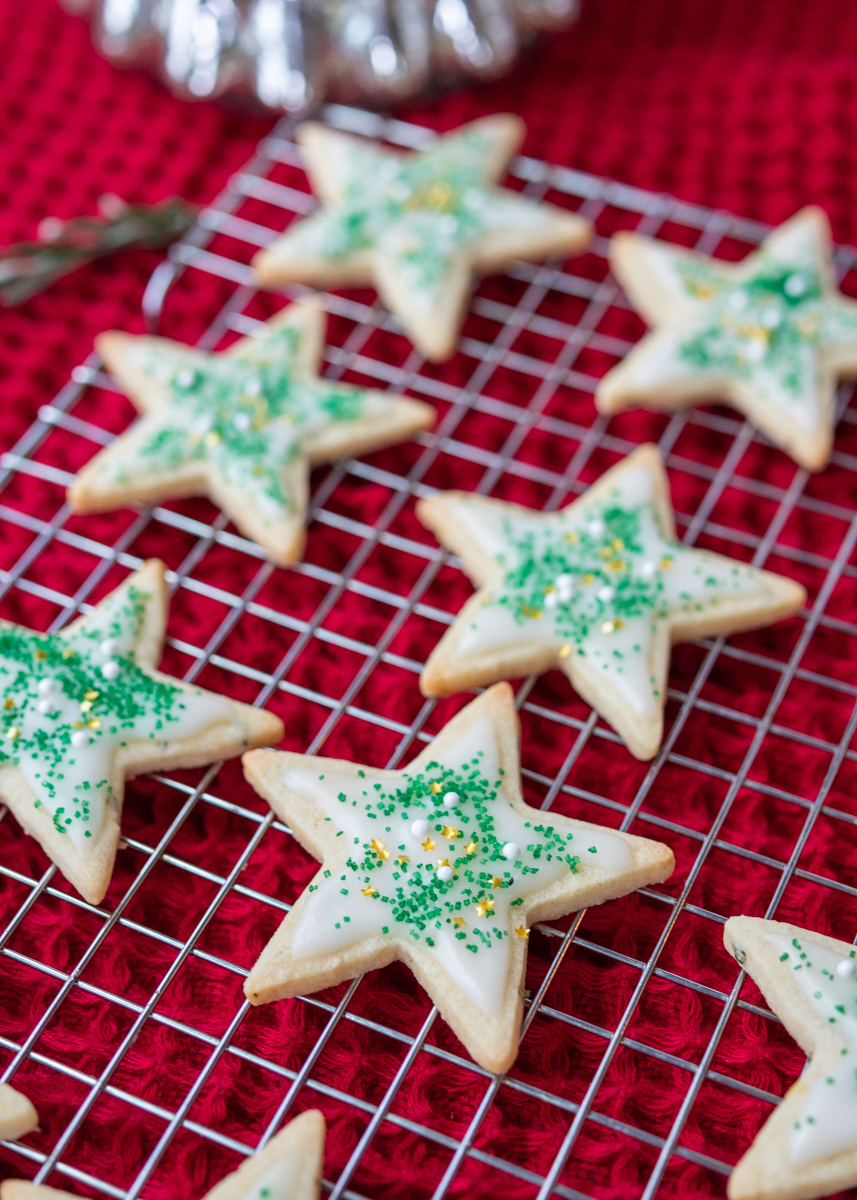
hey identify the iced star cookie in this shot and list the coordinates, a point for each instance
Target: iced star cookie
(84, 709)
(599, 589)
(243, 427)
(770, 335)
(808, 1147)
(418, 226)
(441, 865)
(17, 1115)
(288, 1168)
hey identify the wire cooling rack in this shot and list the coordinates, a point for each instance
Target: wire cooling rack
(646, 1062)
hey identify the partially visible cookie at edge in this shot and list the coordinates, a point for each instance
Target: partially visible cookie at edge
(86, 708)
(287, 1168)
(808, 1146)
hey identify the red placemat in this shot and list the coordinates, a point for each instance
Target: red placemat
(715, 105)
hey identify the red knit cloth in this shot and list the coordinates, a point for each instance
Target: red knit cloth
(745, 108)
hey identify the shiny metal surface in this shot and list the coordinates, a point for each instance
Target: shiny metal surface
(288, 55)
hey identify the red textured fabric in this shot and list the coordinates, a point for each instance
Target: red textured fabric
(747, 108)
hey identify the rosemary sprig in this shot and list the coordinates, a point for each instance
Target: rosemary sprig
(27, 268)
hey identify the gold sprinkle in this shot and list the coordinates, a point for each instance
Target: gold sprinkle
(427, 845)
(666, 563)
(484, 907)
(94, 722)
(587, 579)
(496, 882)
(91, 694)
(40, 655)
(68, 653)
(212, 438)
(449, 831)
(618, 544)
(564, 650)
(194, 439)
(380, 849)
(605, 552)
(571, 537)
(435, 787)
(471, 847)
(258, 470)
(617, 565)
(13, 733)
(702, 291)
(9, 704)
(535, 613)
(522, 933)
(437, 196)
(458, 922)
(402, 858)
(369, 891)
(442, 862)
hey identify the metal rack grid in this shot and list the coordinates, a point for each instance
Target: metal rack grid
(651, 213)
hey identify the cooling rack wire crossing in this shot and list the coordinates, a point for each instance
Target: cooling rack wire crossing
(592, 299)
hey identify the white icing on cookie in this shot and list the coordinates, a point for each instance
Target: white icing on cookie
(71, 701)
(391, 884)
(596, 583)
(418, 211)
(277, 1182)
(828, 1121)
(761, 324)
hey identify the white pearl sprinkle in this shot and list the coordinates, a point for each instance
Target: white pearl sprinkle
(510, 850)
(46, 686)
(186, 377)
(450, 799)
(79, 739)
(551, 599)
(606, 593)
(110, 670)
(45, 706)
(846, 968)
(444, 874)
(564, 581)
(770, 318)
(252, 387)
(241, 421)
(419, 828)
(648, 568)
(795, 285)
(597, 528)
(738, 301)
(203, 424)
(757, 350)
(109, 647)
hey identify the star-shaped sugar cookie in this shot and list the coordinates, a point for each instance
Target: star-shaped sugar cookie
(243, 427)
(599, 589)
(287, 1168)
(808, 1147)
(441, 865)
(17, 1115)
(418, 226)
(84, 709)
(770, 335)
